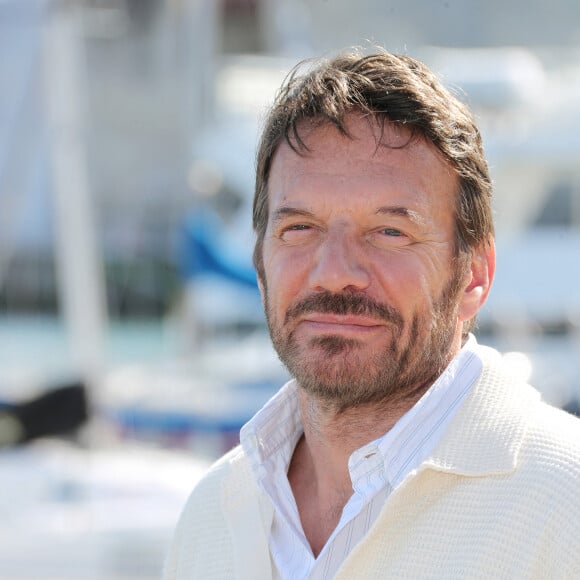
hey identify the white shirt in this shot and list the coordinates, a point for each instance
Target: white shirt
(376, 469)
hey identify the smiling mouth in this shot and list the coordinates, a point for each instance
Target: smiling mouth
(335, 323)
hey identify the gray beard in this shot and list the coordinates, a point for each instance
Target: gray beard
(343, 376)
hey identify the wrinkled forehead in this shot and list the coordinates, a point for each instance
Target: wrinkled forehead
(365, 141)
(367, 160)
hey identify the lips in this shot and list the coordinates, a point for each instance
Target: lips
(343, 309)
(342, 320)
(340, 324)
(346, 309)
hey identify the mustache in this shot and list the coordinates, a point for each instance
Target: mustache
(342, 304)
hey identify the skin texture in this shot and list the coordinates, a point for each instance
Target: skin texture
(364, 296)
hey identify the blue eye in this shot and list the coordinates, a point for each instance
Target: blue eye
(391, 232)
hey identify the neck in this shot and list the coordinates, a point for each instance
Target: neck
(318, 472)
(332, 435)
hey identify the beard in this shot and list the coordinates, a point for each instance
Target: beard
(344, 373)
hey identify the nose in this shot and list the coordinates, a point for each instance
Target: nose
(339, 264)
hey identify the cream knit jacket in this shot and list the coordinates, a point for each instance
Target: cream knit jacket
(498, 499)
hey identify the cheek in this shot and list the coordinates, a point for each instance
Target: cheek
(281, 287)
(400, 276)
(408, 283)
(285, 270)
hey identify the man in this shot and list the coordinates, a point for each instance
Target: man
(402, 448)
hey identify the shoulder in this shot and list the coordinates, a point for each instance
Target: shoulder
(548, 472)
(553, 436)
(230, 471)
(201, 543)
(539, 437)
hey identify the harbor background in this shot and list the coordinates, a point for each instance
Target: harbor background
(127, 138)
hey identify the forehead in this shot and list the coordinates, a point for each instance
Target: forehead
(370, 165)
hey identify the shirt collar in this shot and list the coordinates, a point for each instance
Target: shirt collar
(409, 442)
(270, 437)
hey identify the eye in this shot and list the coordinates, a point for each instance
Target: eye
(295, 232)
(391, 232)
(389, 238)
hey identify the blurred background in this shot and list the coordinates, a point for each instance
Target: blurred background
(132, 342)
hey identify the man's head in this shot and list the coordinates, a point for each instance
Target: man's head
(356, 147)
(389, 88)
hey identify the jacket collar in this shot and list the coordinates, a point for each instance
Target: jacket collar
(487, 432)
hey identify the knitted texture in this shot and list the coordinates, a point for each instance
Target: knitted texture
(202, 547)
(498, 499)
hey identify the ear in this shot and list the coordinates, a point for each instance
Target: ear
(482, 270)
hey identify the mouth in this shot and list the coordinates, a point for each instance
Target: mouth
(341, 324)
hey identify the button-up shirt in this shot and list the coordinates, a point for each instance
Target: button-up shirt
(376, 469)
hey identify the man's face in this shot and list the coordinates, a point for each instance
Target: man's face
(362, 294)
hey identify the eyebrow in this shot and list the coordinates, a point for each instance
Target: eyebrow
(401, 211)
(289, 211)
